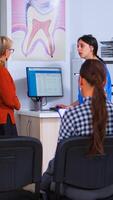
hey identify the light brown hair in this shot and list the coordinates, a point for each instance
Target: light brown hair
(5, 43)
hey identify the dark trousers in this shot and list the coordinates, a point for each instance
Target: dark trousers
(47, 176)
(8, 129)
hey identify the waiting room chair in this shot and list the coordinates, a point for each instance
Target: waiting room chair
(20, 165)
(78, 176)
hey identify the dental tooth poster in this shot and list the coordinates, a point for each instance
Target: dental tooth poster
(38, 30)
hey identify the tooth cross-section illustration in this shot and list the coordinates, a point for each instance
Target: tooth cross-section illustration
(40, 28)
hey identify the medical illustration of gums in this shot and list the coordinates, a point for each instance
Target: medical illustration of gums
(42, 20)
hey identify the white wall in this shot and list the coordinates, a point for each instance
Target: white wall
(93, 17)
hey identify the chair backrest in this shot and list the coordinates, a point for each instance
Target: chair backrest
(74, 167)
(20, 162)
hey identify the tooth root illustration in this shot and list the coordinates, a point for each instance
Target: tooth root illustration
(40, 27)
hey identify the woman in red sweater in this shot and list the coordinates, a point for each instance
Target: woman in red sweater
(8, 99)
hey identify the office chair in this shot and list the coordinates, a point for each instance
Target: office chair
(20, 165)
(78, 176)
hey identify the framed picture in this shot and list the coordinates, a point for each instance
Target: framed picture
(38, 30)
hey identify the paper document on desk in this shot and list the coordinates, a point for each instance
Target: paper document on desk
(61, 111)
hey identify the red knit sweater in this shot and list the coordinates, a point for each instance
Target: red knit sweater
(8, 99)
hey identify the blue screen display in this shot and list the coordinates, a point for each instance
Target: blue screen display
(44, 81)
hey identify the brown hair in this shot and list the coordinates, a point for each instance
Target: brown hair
(94, 72)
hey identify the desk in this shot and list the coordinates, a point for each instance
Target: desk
(43, 125)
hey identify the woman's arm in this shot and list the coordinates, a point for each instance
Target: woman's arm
(8, 90)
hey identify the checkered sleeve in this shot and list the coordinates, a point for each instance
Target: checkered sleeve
(67, 125)
(78, 121)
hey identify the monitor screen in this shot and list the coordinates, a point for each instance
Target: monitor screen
(44, 81)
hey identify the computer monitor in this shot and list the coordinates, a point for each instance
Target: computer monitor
(44, 81)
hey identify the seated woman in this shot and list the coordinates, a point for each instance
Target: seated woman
(87, 47)
(93, 117)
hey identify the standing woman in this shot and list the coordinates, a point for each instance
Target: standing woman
(8, 99)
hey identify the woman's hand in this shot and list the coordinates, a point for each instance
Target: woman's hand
(63, 106)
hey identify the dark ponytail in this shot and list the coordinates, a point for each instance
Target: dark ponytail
(100, 59)
(94, 72)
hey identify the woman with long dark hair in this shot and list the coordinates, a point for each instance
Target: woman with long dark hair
(93, 118)
(95, 115)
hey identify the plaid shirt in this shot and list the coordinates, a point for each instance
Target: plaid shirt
(77, 121)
